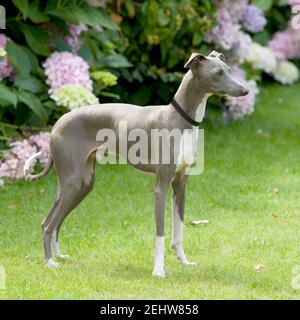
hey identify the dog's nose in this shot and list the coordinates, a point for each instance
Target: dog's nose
(245, 91)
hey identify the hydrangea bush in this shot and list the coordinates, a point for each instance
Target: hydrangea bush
(6, 68)
(236, 21)
(13, 163)
(78, 53)
(66, 68)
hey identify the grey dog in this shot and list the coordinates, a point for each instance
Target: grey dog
(73, 147)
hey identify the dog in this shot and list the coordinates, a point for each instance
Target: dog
(73, 146)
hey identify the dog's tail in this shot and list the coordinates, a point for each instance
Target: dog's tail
(43, 173)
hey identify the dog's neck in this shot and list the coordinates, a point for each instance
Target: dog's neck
(192, 97)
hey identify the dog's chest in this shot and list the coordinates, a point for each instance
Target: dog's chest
(189, 139)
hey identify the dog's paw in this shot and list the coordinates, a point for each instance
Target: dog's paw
(189, 264)
(63, 256)
(51, 264)
(158, 272)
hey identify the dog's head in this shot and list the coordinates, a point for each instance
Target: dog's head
(215, 74)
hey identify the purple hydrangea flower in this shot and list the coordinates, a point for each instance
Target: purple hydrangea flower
(12, 166)
(224, 34)
(41, 141)
(6, 68)
(73, 40)
(294, 2)
(253, 19)
(285, 45)
(66, 68)
(234, 7)
(238, 107)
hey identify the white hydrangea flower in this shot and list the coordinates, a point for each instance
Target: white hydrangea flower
(243, 47)
(261, 58)
(73, 96)
(286, 72)
(2, 53)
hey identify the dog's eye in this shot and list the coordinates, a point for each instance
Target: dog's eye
(220, 72)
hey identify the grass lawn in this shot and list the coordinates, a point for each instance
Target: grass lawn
(249, 192)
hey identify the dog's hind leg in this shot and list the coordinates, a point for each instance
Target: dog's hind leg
(86, 187)
(67, 192)
(178, 186)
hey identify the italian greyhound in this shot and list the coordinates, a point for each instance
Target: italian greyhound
(73, 148)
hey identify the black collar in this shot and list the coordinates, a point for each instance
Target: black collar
(184, 114)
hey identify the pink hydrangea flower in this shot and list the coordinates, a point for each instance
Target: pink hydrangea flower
(66, 68)
(6, 68)
(234, 7)
(238, 107)
(73, 40)
(224, 34)
(285, 45)
(41, 141)
(294, 2)
(253, 19)
(12, 166)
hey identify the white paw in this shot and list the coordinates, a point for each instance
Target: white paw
(158, 272)
(63, 256)
(188, 264)
(52, 264)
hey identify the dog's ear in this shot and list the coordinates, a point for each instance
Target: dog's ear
(195, 59)
(222, 57)
(216, 54)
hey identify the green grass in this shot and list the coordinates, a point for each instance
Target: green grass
(110, 236)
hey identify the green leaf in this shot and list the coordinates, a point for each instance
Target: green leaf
(207, 4)
(61, 44)
(162, 18)
(36, 38)
(33, 59)
(93, 17)
(33, 103)
(282, 3)
(130, 8)
(264, 5)
(197, 38)
(103, 18)
(85, 52)
(35, 15)
(152, 12)
(141, 96)
(18, 56)
(50, 104)
(63, 14)
(262, 37)
(115, 61)
(7, 95)
(110, 95)
(29, 83)
(23, 6)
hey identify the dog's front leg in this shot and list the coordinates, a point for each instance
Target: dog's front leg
(159, 251)
(179, 186)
